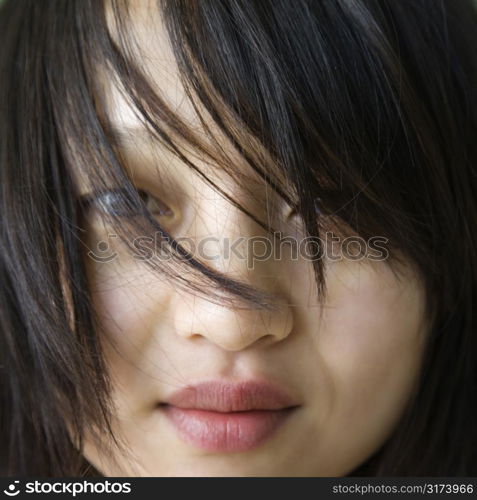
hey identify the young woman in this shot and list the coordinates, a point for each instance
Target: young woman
(238, 238)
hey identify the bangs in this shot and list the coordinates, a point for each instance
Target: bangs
(320, 124)
(217, 135)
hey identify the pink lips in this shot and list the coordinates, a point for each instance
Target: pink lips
(224, 417)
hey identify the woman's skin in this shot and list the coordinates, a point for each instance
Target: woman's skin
(349, 363)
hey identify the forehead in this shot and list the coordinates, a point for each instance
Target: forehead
(140, 34)
(143, 35)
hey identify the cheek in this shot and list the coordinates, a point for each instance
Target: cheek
(371, 339)
(128, 299)
(121, 288)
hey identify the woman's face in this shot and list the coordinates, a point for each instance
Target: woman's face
(312, 388)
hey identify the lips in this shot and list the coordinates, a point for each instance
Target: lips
(225, 417)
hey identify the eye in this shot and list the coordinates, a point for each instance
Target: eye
(117, 202)
(154, 205)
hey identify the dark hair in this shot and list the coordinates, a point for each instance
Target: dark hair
(368, 107)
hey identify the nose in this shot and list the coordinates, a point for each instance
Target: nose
(234, 329)
(231, 329)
